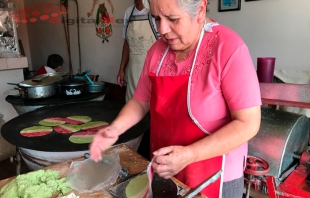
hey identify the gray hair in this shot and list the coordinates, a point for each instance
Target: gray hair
(191, 6)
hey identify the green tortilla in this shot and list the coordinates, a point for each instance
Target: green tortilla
(84, 137)
(52, 121)
(137, 187)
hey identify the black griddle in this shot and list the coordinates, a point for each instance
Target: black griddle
(57, 99)
(56, 142)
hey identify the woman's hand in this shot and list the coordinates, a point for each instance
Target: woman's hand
(103, 139)
(90, 14)
(120, 78)
(169, 161)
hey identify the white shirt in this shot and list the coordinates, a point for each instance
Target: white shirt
(135, 12)
(49, 70)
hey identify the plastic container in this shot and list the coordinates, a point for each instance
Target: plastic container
(265, 69)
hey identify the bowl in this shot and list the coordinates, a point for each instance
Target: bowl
(95, 88)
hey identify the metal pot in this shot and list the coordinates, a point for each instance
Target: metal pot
(38, 91)
(72, 87)
(96, 87)
(45, 88)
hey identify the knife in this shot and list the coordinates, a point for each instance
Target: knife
(191, 193)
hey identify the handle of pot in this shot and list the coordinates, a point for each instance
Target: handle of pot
(13, 84)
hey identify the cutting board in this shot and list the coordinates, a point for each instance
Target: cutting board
(129, 159)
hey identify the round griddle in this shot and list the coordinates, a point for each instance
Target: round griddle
(55, 142)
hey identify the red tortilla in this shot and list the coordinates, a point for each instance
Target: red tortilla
(35, 134)
(36, 131)
(67, 128)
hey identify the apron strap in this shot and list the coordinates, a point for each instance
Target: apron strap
(152, 26)
(129, 20)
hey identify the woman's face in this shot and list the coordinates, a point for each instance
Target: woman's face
(175, 25)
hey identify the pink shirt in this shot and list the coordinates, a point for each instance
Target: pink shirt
(224, 79)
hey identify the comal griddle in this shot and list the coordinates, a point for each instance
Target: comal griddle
(56, 142)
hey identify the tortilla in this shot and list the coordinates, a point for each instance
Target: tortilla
(36, 131)
(67, 128)
(94, 126)
(83, 137)
(138, 187)
(52, 121)
(77, 119)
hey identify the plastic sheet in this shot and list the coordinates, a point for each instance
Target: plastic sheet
(87, 175)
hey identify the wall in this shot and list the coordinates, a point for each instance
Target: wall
(47, 37)
(22, 32)
(278, 28)
(8, 76)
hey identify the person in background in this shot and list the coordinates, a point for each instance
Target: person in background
(54, 63)
(140, 33)
(201, 89)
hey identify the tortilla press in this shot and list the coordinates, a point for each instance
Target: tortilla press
(161, 187)
(194, 191)
(164, 187)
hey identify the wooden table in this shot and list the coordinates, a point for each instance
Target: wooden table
(129, 159)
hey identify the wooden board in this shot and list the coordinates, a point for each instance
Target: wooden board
(129, 159)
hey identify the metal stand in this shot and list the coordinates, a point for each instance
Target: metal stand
(18, 162)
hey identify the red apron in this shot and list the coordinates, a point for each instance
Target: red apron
(171, 125)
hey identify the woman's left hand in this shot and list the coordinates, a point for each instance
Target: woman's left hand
(169, 161)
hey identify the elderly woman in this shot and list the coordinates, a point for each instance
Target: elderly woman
(201, 89)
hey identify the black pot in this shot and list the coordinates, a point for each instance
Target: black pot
(72, 87)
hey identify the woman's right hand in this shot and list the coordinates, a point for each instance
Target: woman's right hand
(103, 139)
(89, 14)
(120, 78)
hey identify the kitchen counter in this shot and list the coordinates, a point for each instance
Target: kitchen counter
(129, 159)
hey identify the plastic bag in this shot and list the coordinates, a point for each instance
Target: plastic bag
(87, 175)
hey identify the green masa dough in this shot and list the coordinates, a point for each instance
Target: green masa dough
(37, 184)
